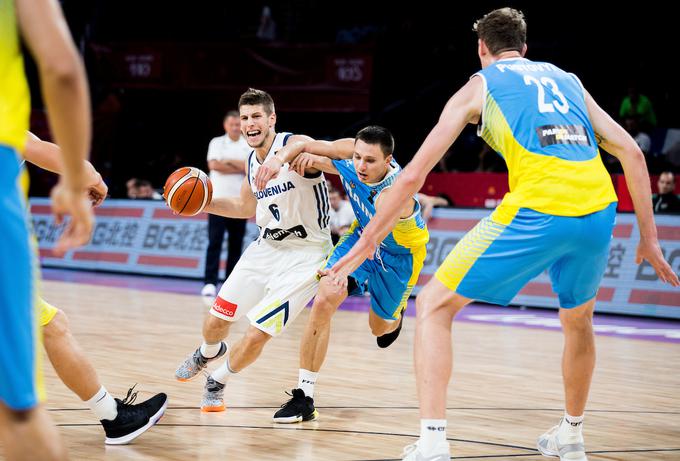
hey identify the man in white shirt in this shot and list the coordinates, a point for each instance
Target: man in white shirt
(342, 215)
(227, 155)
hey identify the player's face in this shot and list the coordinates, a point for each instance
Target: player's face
(370, 162)
(256, 124)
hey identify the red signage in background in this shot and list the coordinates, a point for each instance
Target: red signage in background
(304, 78)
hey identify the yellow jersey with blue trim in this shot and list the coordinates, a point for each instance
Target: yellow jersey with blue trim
(14, 94)
(534, 115)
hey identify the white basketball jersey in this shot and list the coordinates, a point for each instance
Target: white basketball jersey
(291, 209)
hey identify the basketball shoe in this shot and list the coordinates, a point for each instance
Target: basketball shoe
(441, 453)
(569, 449)
(133, 419)
(188, 369)
(298, 408)
(213, 396)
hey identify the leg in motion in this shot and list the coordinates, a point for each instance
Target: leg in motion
(313, 349)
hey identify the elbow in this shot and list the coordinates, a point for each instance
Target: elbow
(412, 180)
(64, 72)
(634, 155)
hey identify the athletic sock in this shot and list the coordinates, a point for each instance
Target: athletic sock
(306, 381)
(222, 373)
(570, 428)
(103, 405)
(209, 351)
(432, 433)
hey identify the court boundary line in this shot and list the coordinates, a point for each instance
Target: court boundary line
(534, 451)
(341, 407)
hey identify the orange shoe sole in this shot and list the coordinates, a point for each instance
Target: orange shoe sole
(212, 409)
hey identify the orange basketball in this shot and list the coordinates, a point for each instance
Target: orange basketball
(187, 191)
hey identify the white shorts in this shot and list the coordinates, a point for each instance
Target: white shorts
(271, 283)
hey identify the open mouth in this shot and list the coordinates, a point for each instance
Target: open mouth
(362, 176)
(253, 134)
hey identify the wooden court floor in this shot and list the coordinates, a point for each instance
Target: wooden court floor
(506, 389)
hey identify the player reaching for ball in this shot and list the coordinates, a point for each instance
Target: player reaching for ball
(276, 276)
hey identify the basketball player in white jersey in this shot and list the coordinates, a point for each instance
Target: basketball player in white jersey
(276, 275)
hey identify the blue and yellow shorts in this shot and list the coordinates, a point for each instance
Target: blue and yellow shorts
(390, 277)
(19, 333)
(493, 261)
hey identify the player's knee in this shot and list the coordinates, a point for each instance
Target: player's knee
(323, 308)
(214, 324)
(255, 338)
(57, 327)
(576, 318)
(327, 299)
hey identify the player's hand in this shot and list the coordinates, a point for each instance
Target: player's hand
(364, 248)
(97, 192)
(340, 286)
(649, 249)
(302, 162)
(74, 202)
(267, 171)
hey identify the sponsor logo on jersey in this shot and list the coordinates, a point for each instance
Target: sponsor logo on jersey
(562, 134)
(274, 190)
(280, 234)
(224, 307)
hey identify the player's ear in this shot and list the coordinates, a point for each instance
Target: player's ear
(272, 119)
(524, 50)
(388, 159)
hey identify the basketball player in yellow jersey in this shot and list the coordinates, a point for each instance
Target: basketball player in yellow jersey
(122, 420)
(26, 430)
(558, 215)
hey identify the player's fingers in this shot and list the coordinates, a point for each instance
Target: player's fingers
(667, 274)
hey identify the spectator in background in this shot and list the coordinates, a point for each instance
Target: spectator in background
(227, 156)
(638, 105)
(141, 189)
(146, 191)
(666, 201)
(266, 31)
(341, 215)
(632, 126)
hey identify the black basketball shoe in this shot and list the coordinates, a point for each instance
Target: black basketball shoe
(133, 419)
(298, 408)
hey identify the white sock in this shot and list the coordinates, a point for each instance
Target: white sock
(306, 381)
(222, 373)
(103, 405)
(210, 350)
(432, 433)
(570, 428)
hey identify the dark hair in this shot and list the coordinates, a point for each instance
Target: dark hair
(502, 30)
(375, 134)
(254, 97)
(232, 113)
(142, 183)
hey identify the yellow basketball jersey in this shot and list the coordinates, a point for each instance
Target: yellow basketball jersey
(14, 94)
